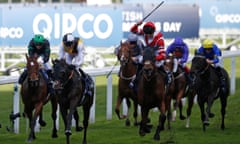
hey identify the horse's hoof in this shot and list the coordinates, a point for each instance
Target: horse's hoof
(136, 123)
(127, 123)
(54, 135)
(79, 128)
(206, 123)
(156, 137)
(211, 115)
(142, 133)
(68, 132)
(42, 123)
(182, 117)
(123, 117)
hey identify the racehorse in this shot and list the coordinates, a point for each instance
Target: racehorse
(127, 73)
(207, 85)
(182, 87)
(153, 92)
(35, 96)
(70, 92)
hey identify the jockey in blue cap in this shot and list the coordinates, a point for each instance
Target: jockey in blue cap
(213, 56)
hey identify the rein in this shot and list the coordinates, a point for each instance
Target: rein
(204, 70)
(127, 78)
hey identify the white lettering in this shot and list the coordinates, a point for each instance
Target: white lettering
(109, 29)
(227, 18)
(172, 26)
(46, 31)
(12, 32)
(87, 25)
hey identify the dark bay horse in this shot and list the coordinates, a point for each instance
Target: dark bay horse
(70, 93)
(207, 86)
(34, 96)
(182, 88)
(153, 92)
(127, 73)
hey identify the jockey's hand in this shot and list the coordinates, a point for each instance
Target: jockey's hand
(209, 61)
(72, 67)
(139, 22)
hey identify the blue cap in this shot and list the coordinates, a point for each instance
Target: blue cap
(132, 37)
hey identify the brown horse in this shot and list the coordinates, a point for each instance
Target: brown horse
(127, 73)
(182, 88)
(153, 92)
(34, 96)
(69, 87)
(207, 85)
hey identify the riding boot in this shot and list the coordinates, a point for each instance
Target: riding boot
(50, 82)
(169, 77)
(87, 82)
(133, 83)
(222, 79)
(22, 77)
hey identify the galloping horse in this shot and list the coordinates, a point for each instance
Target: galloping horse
(182, 88)
(34, 96)
(153, 92)
(207, 86)
(70, 93)
(127, 72)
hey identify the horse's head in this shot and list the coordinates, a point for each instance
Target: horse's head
(62, 73)
(124, 54)
(170, 63)
(33, 70)
(148, 62)
(199, 64)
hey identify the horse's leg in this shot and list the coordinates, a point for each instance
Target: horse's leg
(41, 121)
(180, 106)
(86, 113)
(76, 117)
(54, 105)
(117, 107)
(135, 113)
(64, 113)
(127, 122)
(28, 112)
(209, 105)
(38, 110)
(143, 129)
(189, 108)
(161, 120)
(223, 99)
(203, 115)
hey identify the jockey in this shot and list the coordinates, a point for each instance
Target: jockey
(40, 47)
(213, 56)
(153, 39)
(137, 47)
(181, 51)
(72, 50)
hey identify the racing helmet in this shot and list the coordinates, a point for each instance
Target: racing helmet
(207, 44)
(132, 38)
(68, 39)
(38, 39)
(149, 28)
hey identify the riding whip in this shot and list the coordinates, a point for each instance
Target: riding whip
(152, 11)
(112, 69)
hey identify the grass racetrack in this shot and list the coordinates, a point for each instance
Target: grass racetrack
(115, 132)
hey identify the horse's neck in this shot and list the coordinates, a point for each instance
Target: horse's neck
(129, 70)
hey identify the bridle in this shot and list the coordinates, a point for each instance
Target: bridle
(125, 59)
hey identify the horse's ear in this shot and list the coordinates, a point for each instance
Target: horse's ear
(53, 61)
(195, 52)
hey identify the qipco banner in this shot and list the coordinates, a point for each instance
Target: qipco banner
(96, 26)
(171, 19)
